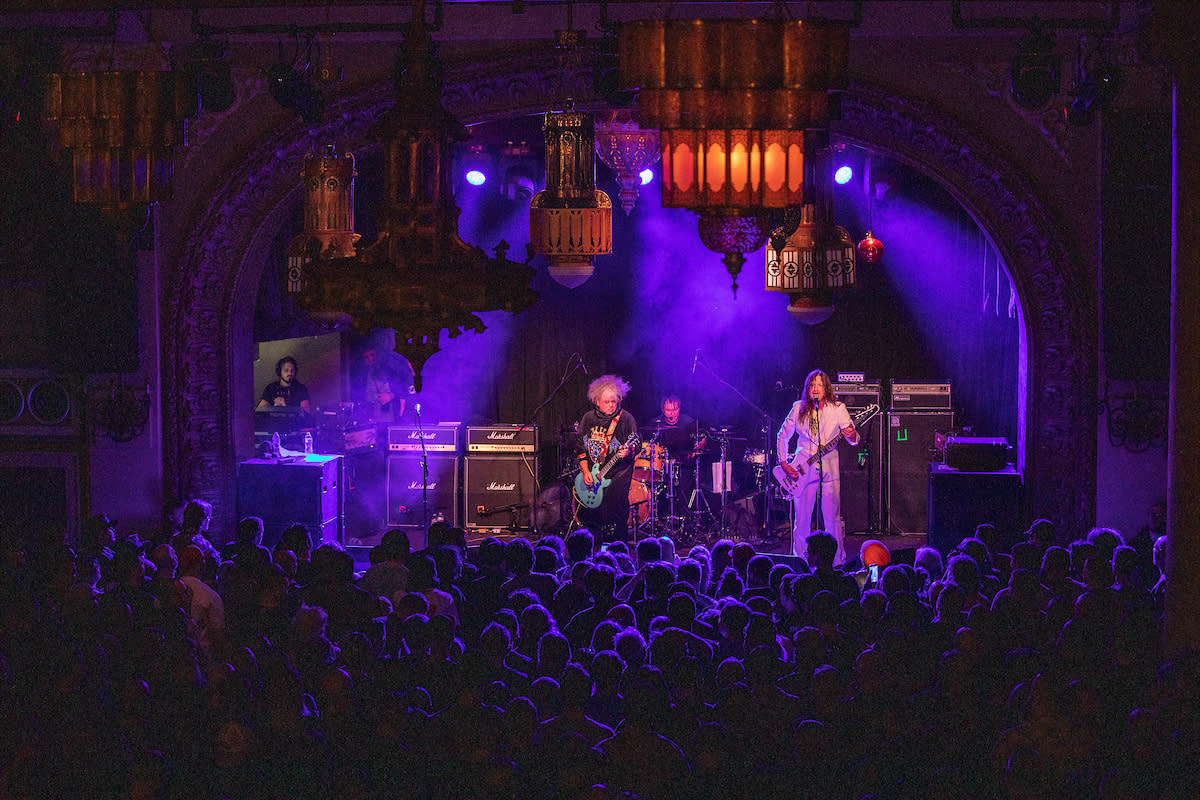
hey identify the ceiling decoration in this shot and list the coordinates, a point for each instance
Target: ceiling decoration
(626, 148)
(737, 103)
(418, 277)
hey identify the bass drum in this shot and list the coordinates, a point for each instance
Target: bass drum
(639, 503)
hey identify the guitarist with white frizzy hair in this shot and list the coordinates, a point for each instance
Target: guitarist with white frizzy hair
(605, 433)
(816, 419)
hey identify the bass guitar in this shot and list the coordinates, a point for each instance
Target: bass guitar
(802, 464)
(591, 496)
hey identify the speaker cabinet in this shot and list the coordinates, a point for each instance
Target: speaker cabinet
(498, 492)
(407, 493)
(366, 497)
(862, 477)
(308, 489)
(959, 501)
(910, 446)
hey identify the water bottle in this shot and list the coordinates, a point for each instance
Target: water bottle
(307, 443)
(275, 445)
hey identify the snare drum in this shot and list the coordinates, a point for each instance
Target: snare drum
(755, 457)
(650, 458)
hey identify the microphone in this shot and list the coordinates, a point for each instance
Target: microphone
(583, 366)
(418, 407)
(695, 361)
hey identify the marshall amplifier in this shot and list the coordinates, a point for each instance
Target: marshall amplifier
(407, 494)
(923, 396)
(441, 438)
(498, 492)
(502, 439)
(857, 396)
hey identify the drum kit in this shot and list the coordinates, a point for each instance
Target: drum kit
(656, 502)
(689, 496)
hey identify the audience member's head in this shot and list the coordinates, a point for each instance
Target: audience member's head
(822, 549)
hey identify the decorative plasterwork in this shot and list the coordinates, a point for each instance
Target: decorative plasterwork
(215, 274)
(1050, 123)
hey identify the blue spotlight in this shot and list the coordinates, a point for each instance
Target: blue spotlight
(646, 175)
(476, 177)
(843, 175)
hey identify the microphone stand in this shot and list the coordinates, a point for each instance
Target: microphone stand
(537, 485)
(819, 510)
(424, 475)
(746, 400)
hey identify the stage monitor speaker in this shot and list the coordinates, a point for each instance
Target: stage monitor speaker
(407, 492)
(959, 501)
(862, 477)
(498, 492)
(309, 489)
(910, 446)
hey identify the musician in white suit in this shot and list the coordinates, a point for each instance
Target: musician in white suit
(817, 420)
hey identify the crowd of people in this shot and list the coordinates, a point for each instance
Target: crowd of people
(175, 667)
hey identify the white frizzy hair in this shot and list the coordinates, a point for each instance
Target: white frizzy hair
(606, 383)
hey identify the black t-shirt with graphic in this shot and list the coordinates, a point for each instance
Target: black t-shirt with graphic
(593, 432)
(292, 395)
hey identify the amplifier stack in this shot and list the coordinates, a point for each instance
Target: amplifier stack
(478, 476)
(918, 413)
(862, 464)
(500, 477)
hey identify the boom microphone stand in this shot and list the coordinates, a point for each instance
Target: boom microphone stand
(576, 365)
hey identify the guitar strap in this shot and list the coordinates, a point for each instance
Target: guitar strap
(612, 427)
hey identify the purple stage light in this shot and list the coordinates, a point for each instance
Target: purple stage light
(646, 175)
(476, 177)
(843, 175)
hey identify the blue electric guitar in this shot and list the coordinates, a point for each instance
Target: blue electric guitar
(591, 496)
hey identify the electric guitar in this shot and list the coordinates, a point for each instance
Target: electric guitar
(591, 496)
(802, 464)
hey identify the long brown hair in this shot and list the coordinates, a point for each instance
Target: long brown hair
(806, 401)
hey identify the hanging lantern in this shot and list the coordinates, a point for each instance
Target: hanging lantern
(733, 99)
(419, 277)
(570, 221)
(870, 249)
(121, 129)
(627, 150)
(817, 260)
(329, 202)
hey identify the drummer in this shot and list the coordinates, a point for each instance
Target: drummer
(680, 435)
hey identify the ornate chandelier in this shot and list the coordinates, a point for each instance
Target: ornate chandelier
(418, 277)
(734, 101)
(626, 148)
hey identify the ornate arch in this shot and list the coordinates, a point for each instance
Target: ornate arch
(220, 263)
